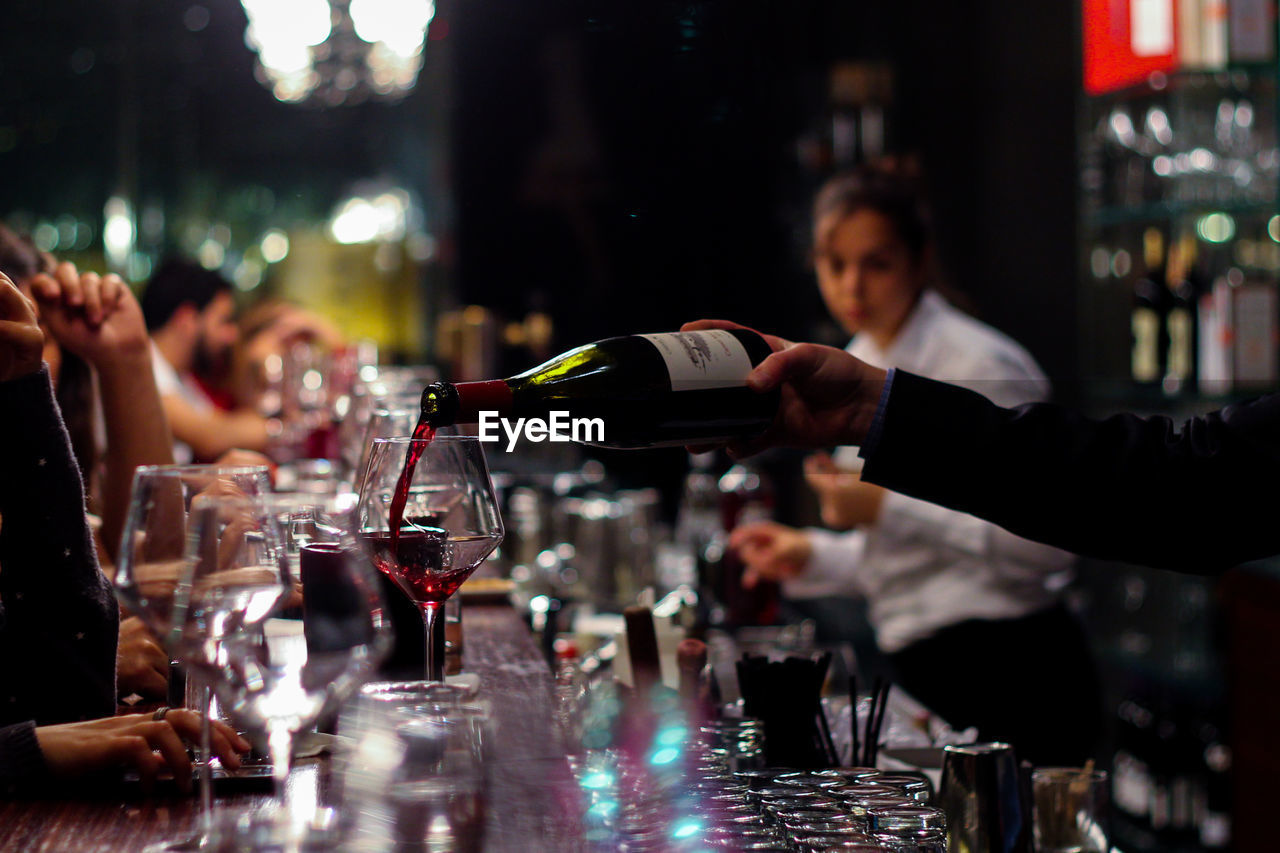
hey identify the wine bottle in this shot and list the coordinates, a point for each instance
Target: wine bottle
(636, 391)
(1150, 307)
(1180, 321)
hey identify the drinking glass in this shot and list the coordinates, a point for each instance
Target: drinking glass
(1070, 810)
(281, 612)
(153, 557)
(429, 516)
(415, 775)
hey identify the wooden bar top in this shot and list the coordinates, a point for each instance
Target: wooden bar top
(533, 803)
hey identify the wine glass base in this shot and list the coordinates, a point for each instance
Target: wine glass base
(275, 831)
(200, 842)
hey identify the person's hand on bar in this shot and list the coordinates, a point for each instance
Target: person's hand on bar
(771, 551)
(140, 741)
(142, 667)
(21, 341)
(828, 396)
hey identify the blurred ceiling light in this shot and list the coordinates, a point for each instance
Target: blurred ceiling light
(275, 246)
(364, 220)
(211, 254)
(118, 231)
(1216, 227)
(1273, 228)
(338, 53)
(45, 236)
(247, 275)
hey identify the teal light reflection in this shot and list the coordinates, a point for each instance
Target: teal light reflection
(672, 736)
(597, 780)
(666, 755)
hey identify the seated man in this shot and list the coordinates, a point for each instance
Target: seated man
(190, 312)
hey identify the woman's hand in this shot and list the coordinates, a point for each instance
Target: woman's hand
(21, 341)
(828, 397)
(770, 550)
(142, 667)
(845, 500)
(96, 317)
(139, 741)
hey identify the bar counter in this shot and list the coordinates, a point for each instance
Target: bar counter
(533, 803)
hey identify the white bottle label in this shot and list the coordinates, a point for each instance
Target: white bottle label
(700, 360)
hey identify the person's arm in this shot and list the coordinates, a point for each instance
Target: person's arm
(32, 757)
(1190, 496)
(832, 568)
(58, 625)
(21, 761)
(211, 434)
(98, 318)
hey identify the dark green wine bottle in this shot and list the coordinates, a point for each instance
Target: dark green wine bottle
(636, 391)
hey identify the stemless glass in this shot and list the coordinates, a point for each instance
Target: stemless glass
(154, 554)
(282, 613)
(450, 522)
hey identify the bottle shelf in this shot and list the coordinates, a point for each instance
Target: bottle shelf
(1237, 75)
(1169, 211)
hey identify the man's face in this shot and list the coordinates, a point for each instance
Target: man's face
(216, 334)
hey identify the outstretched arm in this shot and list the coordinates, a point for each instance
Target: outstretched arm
(1193, 496)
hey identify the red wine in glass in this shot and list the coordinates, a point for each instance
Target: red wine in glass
(426, 432)
(417, 560)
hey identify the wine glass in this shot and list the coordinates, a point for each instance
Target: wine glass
(448, 521)
(281, 612)
(152, 559)
(387, 422)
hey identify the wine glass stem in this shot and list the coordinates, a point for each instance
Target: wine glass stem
(280, 744)
(204, 701)
(433, 629)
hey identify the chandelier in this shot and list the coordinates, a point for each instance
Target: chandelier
(334, 52)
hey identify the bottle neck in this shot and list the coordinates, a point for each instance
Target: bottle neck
(475, 397)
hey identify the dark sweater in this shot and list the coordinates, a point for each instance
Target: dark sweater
(59, 622)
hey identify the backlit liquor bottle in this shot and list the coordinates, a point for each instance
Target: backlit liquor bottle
(636, 391)
(1181, 332)
(1150, 307)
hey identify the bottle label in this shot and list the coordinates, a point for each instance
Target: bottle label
(700, 360)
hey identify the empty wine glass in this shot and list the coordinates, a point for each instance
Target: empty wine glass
(281, 612)
(448, 521)
(389, 423)
(415, 775)
(152, 559)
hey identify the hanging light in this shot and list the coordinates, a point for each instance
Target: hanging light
(334, 52)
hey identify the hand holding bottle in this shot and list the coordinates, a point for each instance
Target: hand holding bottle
(828, 397)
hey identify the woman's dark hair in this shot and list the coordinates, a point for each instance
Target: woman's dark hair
(895, 196)
(20, 260)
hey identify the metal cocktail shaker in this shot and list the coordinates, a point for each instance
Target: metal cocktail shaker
(982, 796)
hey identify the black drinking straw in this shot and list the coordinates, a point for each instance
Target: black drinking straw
(871, 718)
(853, 719)
(875, 744)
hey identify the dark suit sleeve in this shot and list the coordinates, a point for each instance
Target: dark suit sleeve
(1197, 496)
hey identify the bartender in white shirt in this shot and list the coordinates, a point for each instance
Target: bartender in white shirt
(968, 614)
